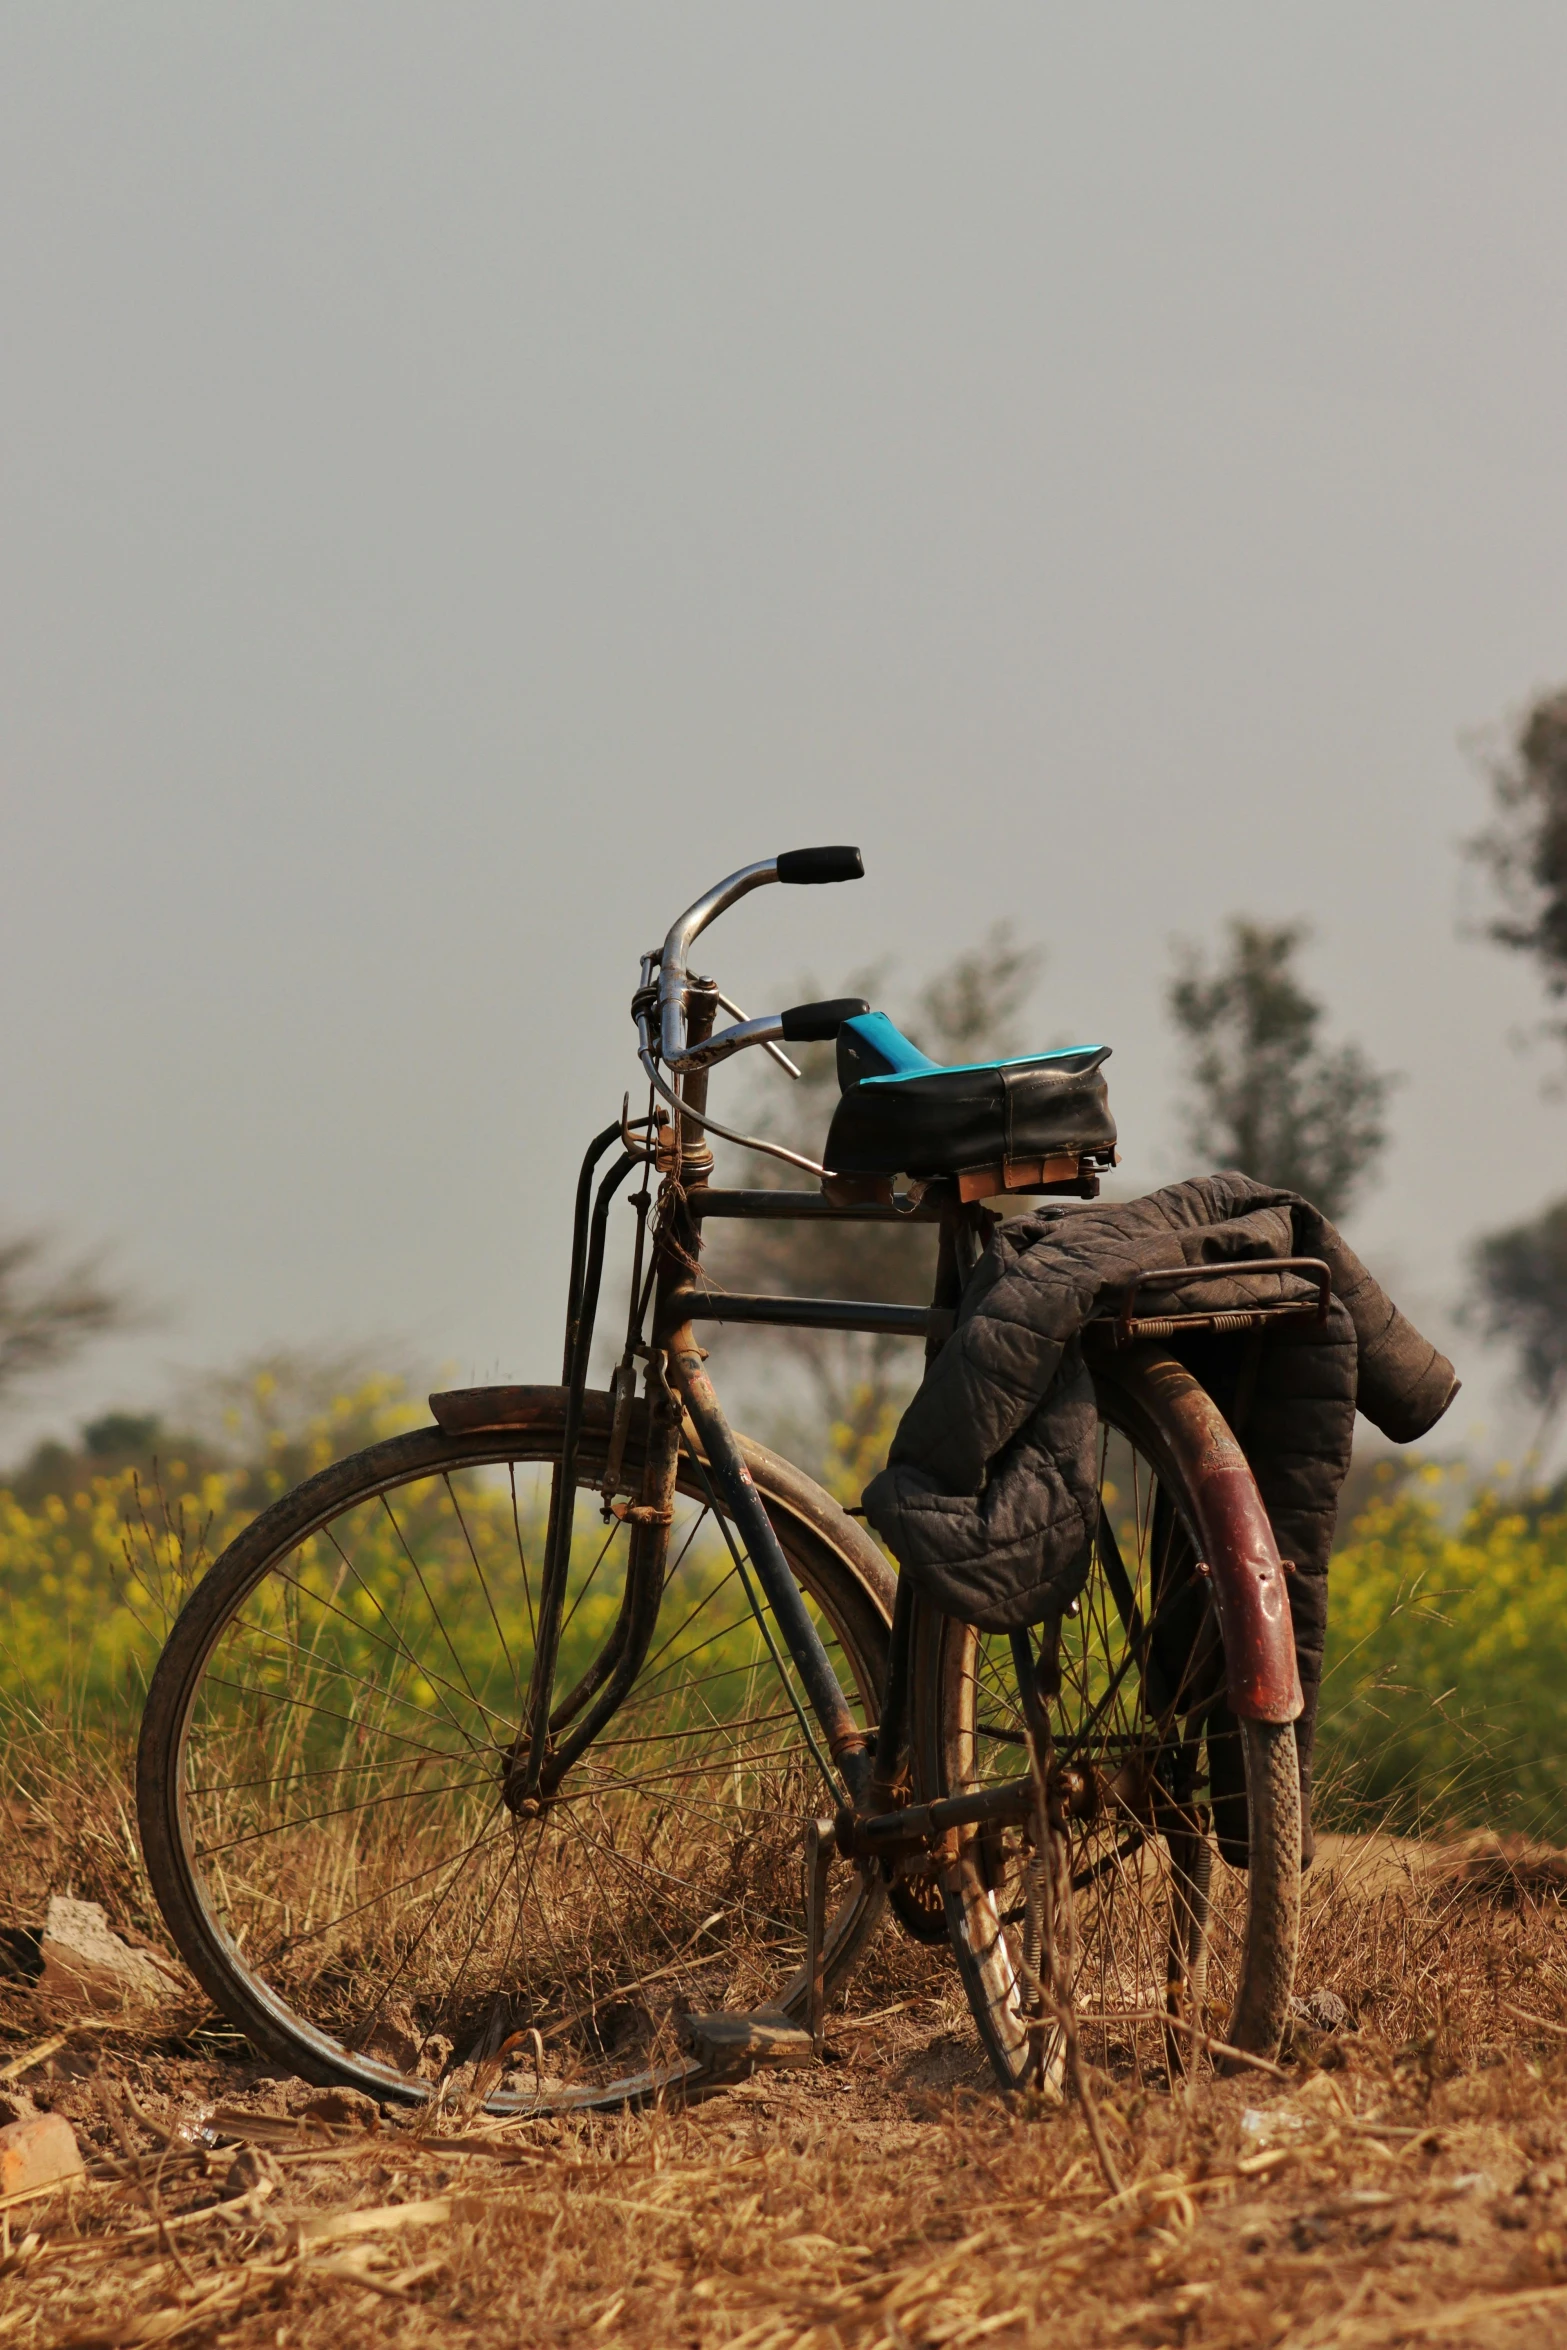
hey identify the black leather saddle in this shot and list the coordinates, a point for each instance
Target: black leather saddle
(1040, 1122)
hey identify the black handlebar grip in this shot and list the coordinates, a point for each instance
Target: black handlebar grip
(820, 1023)
(821, 865)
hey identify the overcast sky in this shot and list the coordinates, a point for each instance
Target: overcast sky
(475, 474)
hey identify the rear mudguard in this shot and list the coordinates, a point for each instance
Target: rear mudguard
(1238, 1549)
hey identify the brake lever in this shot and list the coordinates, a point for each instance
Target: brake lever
(776, 1050)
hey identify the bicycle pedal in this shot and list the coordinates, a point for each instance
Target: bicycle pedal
(736, 2045)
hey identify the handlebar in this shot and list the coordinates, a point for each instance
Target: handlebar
(669, 992)
(819, 1023)
(817, 865)
(808, 866)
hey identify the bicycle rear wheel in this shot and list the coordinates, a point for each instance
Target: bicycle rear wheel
(1160, 1941)
(319, 1780)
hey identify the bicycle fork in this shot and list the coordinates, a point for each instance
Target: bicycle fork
(552, 1736)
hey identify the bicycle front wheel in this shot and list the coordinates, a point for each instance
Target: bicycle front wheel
(1160, 1942)
(322, 1757)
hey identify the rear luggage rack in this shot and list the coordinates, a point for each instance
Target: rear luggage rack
(1126, 1324)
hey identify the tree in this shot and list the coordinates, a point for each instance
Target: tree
(1518, 1290)
(46, 1316)
(263, 1427)
(968, 1011)
(1524, 849)
(1266, 1096)
(1520, 1283)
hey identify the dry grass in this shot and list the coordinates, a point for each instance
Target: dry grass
(602, 1961)
(1404, 2182)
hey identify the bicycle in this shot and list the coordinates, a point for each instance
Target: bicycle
(490, 1755)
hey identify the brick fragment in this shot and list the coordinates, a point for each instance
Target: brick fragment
(38, 2154)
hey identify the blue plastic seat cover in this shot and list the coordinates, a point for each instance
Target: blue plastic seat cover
(904, 1060)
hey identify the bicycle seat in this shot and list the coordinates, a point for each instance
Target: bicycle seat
(1039, 1121)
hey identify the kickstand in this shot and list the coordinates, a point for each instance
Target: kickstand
(820, 1843)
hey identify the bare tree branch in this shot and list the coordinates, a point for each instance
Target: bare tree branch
(47, 1316)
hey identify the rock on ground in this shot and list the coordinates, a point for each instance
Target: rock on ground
(84, 1957)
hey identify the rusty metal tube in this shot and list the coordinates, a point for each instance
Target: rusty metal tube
(922, 1823)
(533, 1736)
(824, 1694)
(626, 1651)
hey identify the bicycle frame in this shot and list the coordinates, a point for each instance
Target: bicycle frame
(1261, 1673)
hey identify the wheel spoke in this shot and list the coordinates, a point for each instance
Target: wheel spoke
(588, 1580)
(433, 1909)
(276, 1779)
(312, 1819)
(309, 1705)
(437, 1681)
(339, 1672)
(439, 1619)
(522, 1551)
(385, 1893)
(485, 1588)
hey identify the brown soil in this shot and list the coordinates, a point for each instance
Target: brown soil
(1403, 2181)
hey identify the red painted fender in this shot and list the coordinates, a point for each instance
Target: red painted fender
(1262, 1677)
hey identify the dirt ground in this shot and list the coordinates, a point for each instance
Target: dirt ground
(1401, 2180)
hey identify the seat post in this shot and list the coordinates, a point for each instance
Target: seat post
(964, 1229)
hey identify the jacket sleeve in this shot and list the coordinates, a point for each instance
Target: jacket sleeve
(1405, 1383)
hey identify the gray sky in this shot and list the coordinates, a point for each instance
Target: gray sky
(473, 475)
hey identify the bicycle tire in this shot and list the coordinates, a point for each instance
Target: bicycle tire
(344, 1683)
(1154, 1961)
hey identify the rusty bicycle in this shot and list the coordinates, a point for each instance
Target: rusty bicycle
(572, 1748)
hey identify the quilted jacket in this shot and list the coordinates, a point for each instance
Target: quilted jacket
(989, 1496)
